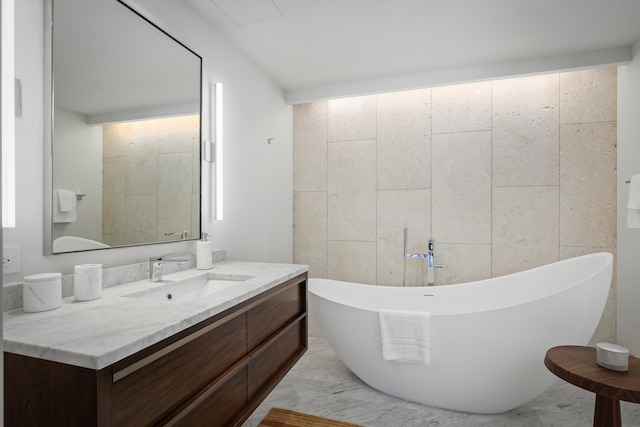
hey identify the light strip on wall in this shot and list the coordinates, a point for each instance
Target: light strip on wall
(8, 117)
(219, 195)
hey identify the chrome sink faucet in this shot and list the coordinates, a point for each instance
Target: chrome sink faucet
(155, 266)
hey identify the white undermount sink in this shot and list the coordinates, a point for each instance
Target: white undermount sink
(189, 289)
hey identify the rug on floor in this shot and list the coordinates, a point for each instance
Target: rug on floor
(278, 417)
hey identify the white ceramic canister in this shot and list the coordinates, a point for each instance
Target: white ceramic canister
(87, 282)
(42, 292)
(612, 356)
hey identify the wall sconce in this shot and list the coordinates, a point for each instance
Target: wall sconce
(219, 144)
(212, 152)
(8, 110)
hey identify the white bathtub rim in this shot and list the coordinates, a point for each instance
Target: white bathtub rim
(607, 263)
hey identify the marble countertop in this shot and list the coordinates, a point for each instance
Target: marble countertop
(95, 334)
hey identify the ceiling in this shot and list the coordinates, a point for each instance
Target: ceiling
(111, 65)
(327, 48)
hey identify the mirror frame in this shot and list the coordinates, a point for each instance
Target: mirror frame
(48, 131)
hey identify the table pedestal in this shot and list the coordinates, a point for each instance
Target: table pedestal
(607, 412)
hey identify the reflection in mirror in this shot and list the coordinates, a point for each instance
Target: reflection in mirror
(122, 166)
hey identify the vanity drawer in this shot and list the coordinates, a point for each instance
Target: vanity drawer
(218, 406)
(151, 387)
(270, 362)
(275, 312)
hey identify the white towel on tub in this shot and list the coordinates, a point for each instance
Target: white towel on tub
(633, 206)
(405, 335)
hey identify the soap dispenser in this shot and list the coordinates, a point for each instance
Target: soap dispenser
(204, 253)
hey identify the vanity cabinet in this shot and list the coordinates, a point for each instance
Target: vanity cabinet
(214, 373)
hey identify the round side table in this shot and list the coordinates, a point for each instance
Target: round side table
(577, 365)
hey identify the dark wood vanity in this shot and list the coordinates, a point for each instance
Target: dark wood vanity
(214, 373)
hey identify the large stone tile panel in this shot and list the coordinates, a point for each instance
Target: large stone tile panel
(310, 231)
(310, 146)
(588, 185)
(525, 228)
(404, 140)
(461, 263)
(352, 261)
(352, 191)
(352, 118)
(461, 208)
(525, 131)
(589, 96)
(461, 108)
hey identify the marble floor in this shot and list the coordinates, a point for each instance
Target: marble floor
(321, 385)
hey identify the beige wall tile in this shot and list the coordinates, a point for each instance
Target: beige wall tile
(113, 194)
(310, 231)
(352, 261)
(141, 219)
(352, 191)
(588, 184)
(352, 118)
(461, 182)
(525, 228)
(404, 136)
(178, 134)
(174, 194)
(588, 96)
(398, 209)
(525, 131)
(310, 147)
(114, 139)
(144, 132)
(461, 263)
(142, 169)
(461, 108)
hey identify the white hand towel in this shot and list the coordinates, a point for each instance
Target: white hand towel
(66, 200)
(405, 335)
(60, 216)
(633, 206)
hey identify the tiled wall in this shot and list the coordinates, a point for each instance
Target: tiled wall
(504, 175)
(151, 168)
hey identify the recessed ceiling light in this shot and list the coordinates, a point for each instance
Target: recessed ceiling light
(242, 12)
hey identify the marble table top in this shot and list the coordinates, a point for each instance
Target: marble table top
(95, 334)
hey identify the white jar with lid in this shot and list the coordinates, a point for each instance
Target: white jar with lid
(42, 292)
(612, 356)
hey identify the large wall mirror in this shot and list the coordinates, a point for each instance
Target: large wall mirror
(122, 160)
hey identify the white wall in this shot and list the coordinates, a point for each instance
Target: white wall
(628, 239)
(258, 185)
(78, 167)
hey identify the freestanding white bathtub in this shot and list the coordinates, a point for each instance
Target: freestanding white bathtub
(488, 338)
